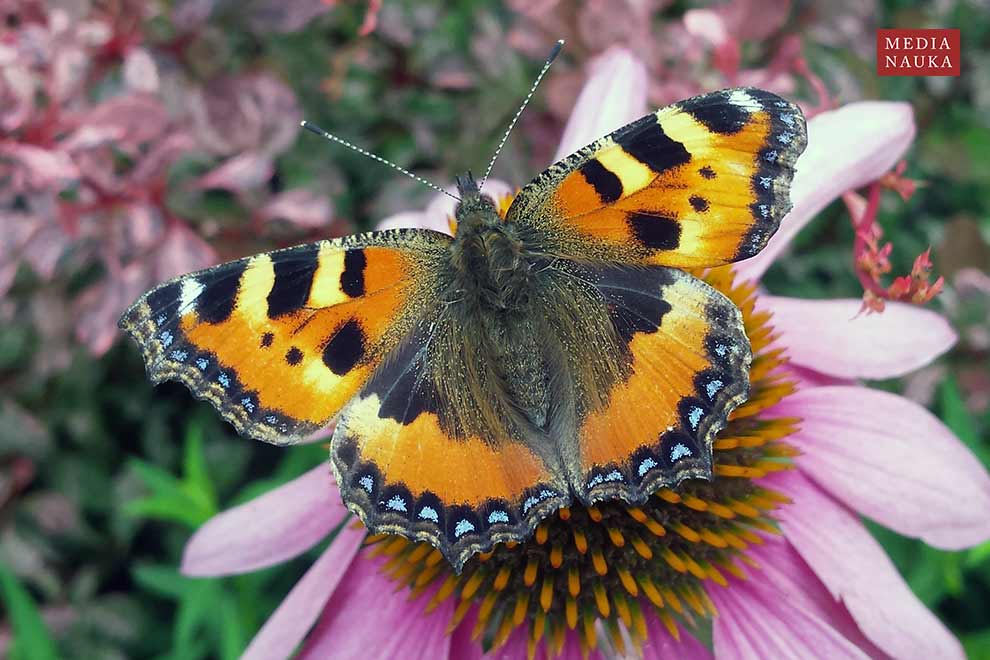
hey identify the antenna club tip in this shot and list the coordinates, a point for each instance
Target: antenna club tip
(556, 50)
(311, 127)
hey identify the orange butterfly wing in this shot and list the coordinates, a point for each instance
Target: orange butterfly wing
(702, 182)
(685, 366)
(406, 463)
(279, 342)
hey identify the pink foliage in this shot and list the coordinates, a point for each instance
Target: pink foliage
(93, 120)
(700, 52)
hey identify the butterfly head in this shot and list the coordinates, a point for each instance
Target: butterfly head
(475, 209)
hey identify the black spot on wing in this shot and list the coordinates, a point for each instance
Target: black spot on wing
(604, 181)
(216, 302)
(646, 141)
(294, 271)
(707, 172)
(698, 203)
(655, 231)
(366, 477)
(716, 113)
(267, 339)
(345, 348)
(293, 356)
(352, 277)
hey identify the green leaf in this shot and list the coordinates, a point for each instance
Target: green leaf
(958, 418)
(977, 645)
(190, 500)
(197, 609)
(233, 636)
(196, 479)
(31, 639)
(978, 555)
(162, 580)
(159, 481)
(163, 508)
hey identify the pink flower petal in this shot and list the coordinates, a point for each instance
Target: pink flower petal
(368, 618)
(245, 112)
(462, 647)
(130, 120)
(660, 645)
(808, 378)
(893, 461)
(848, 345)
(782, 567)
(614, 95)
(267, 530)
(855, 569)
(847, 148)
(288, 624)
(407, 219)
(756, 621)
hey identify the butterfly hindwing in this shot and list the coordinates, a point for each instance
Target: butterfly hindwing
(408, 463)
(702, 182)
(685, 360)
(279, 342)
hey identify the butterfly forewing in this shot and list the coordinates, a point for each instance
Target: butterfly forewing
(702, 182)
(279, 342)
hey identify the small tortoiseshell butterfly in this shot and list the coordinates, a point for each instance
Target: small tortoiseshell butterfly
(482, 381)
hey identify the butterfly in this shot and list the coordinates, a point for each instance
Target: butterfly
(481, 381)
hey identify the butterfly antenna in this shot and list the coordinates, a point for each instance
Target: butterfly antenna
(546, 65)
(313, 128)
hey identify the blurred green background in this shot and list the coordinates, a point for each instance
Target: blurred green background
(103, 477)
